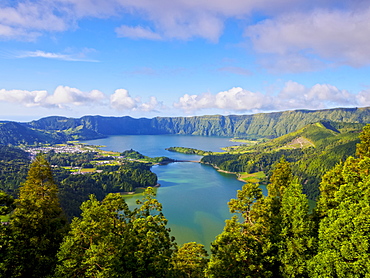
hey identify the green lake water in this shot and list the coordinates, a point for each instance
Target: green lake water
(194, 196)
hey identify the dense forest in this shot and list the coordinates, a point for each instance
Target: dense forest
(265, 125)
(76, 188)
(270, 236)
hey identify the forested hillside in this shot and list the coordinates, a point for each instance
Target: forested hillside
(14, 133)
(264, 125)
(312, 151)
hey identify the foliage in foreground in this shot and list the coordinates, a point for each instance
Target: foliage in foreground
(37, 226)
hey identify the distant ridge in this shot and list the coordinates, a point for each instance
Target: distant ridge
(268, 125)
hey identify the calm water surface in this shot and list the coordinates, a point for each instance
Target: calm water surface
(194, 196)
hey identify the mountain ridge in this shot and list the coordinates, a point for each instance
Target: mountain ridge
(253, 126)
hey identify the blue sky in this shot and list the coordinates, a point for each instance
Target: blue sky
(146, 58)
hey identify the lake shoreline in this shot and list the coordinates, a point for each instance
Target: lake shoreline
(194, 197)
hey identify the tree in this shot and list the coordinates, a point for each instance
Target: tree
(268, 217)
(151, 241)
(96, 242)
(6, 203)
(37, 225)
(190, 260)
(273, 230)
(296, 244)
(344, 232)
(344, 228)
(237, 251)
(363, 148)
(6, 206)
(110, 240)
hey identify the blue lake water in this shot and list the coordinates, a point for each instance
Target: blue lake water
(194, 196)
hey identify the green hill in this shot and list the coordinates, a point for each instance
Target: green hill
(312, 150)
(263, 125)
(14, 133)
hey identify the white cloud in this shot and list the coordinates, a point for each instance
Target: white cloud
(63, 97)
(236, 99)
(150, 106)
(363, 98)
(26, 19)
(295, 96)
(329, 93)
(58, 56)
(26, 98)
(195, 102)
(121, 100)
(9, 32)
(292, 96)
(242, 100)
(177, 19)
(339, 36)
(303, 35)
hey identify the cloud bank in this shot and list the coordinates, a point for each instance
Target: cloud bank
(235, 100)
(292, 96)
(65, 97)
(311, 34)
(342, 37)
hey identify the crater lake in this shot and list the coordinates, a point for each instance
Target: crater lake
(194, 196)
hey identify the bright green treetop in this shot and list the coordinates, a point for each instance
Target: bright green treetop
(109, 240)
(190, 261)
(363, 148)
(94, 246)
(344, 207)
(296, 236)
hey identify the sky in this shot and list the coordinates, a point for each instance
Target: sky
(148, 58)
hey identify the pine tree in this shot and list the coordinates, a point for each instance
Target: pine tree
(37, 224)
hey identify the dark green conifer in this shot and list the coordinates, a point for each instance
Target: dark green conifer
(37, 225)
